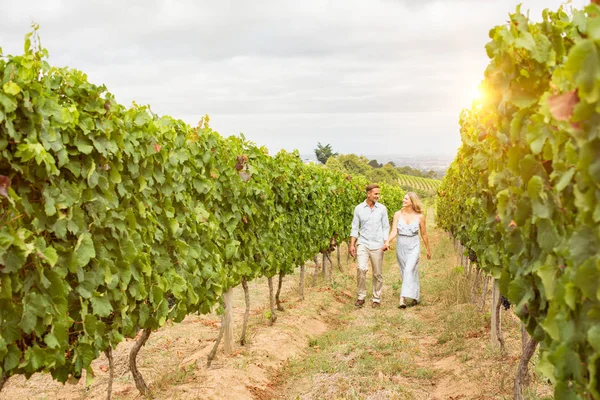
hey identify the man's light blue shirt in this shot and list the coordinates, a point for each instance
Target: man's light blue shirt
(370, 226)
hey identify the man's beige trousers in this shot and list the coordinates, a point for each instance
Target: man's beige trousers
(363, 255)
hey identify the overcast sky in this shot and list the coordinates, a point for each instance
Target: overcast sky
(369, 77)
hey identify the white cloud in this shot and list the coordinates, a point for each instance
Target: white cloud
(390, 76)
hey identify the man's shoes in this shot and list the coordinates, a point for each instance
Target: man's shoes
(359, 303)
(376, 304)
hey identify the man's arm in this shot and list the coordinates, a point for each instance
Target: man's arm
(354, 232)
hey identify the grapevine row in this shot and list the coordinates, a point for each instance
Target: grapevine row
(115, 220)
(420, 183)
(523, 193)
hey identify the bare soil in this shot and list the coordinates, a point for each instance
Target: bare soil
(323, 347)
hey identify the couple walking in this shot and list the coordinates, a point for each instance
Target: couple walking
(369, 238)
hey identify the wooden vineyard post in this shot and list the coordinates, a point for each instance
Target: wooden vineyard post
(496, 336)
(495, 300)
(271, 301)
(228, 321)
(486, 280)
(301, 285)
(246, 312)
(316, 260)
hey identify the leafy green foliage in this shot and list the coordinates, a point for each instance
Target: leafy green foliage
(324, 152)
(426, 185)
(524, 190)
(388, 173)
(114, 219)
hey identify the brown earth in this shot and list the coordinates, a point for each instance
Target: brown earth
(173, 362)
(444, 342)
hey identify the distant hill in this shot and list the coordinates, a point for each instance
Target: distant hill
(437, 163)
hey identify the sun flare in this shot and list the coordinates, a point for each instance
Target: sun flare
(477, 95)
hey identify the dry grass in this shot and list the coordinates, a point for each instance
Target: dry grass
(439, 349)
(325, 348)
(173, 362)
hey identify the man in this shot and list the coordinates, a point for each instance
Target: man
(370, 228)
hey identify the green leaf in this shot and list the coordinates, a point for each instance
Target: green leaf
(565, 179)
(84, 249)
(60, 228)
(587, 277)
(89, 324)
(51, 256)
(14, 259)
(84, 354)
(101, 306)
(11, 88)
(547, 274)
(231, 249)
(583, 64)
(593, 336)
(9, 104)
(571, 297)
(5, 241)
(84, 145)
(583, 244)
(144, 314)
(545, 367)
(542, 209)
(535, 187)
(51, 341)
(37, 303)
(566, 361)
(593, 27)
(28, 322)
(141, 118)
(547, 236)
(12, 358)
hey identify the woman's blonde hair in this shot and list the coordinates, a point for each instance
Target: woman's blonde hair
(417, 205)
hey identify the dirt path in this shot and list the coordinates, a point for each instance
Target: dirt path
(437, 350)
(323, 347)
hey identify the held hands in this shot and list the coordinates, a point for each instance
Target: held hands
(428, 254)
(386, 246)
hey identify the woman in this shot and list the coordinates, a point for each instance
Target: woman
(407, 224)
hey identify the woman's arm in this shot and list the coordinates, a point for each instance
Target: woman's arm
(393, 229)
(423, 229)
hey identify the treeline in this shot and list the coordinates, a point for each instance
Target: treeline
(406, 170)
(352, 164)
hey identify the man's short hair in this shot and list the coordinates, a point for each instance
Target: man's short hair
(371, 187)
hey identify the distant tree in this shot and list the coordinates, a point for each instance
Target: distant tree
(387, 174)
(324, 152)
(375, 164)
(391, 171)
(335, 164)
(393, 164)
(406, 170)
(354, 164)
(378, 175)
